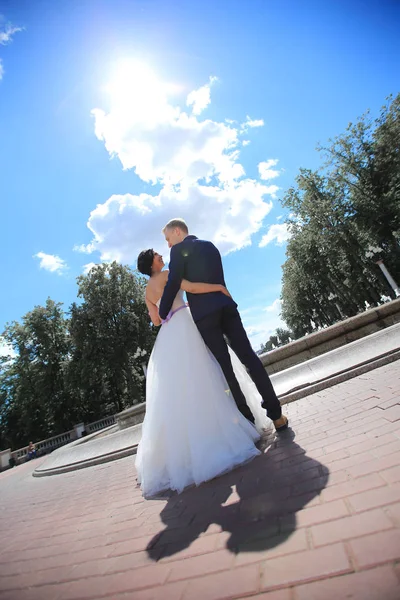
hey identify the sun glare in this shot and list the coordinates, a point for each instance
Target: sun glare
(134, 85)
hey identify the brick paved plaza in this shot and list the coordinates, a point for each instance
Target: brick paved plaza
(317, 516)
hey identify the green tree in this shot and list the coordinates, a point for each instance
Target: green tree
(336, 214)
(35, 403)
(68, 370)
(111, 339)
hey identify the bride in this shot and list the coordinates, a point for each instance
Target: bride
(193, 430)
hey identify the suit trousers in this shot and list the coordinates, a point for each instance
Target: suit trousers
(226, 323)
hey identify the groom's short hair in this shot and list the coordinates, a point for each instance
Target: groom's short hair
(177, 223)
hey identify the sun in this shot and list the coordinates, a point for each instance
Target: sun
(136, 87)
(131, 77)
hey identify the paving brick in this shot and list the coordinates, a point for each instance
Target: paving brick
(275, 595)
(338, 477)
(201, 565)
(321, 513)
(307, 566)
(392, 414)
(108, 585)
(168, 591)
(346, 443)
(389, 448)
(131, 545)
(383, 427)
(45, 592)
(397, 571)
(202, 545)
(350, 461)
(375, 584)
(101, 513)
(350, 527)
(375, 465)
(277, 546)
(332, 457)
(315, 484)
(391, 475)
(373, 441)
(390, 401)
(229, 584)
(394, 513)
(352, 486)
(374, 498)
(377, 548)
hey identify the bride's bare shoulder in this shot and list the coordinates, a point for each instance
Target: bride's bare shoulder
(156, 284)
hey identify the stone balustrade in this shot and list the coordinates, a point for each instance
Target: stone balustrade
(45, 446)
(101, 424)
(131, 416)
(50, 444)
(337, 335)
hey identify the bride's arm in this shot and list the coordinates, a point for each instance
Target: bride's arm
(203, 288)
(153, 312)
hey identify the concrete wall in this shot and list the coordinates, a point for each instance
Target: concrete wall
(332, 337)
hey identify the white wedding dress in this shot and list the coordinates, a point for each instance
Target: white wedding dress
(192, 430)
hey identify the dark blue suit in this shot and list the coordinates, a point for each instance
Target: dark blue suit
(217, 317)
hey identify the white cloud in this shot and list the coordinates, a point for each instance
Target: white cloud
(271, 190)
(88, 267)
(166, 145)
(84, 248)
(7, 32)
(51, 262)
(251, 123)
(274, 307)
(228, 216)
(265, 170)
(194, 161)
(278, 233)
(201, 98)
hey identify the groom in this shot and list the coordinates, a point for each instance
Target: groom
(216, 315)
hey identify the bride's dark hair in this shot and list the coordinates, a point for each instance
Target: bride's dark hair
(145, 261)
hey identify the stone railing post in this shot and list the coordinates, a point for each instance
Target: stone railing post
(5, 456)
(78, 429)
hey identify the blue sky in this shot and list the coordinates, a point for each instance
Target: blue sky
(164, 139)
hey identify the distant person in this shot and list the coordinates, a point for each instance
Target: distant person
(31, 451)
(193, 430)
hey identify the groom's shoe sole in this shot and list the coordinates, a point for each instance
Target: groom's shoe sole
(282, 427)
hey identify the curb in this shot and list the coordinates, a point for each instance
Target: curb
(350, 373)
(307, 390)
(98, 460)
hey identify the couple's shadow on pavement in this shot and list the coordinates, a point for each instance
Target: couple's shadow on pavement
(256, 504)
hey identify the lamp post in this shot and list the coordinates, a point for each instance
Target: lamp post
(389, 278)
(375, 250)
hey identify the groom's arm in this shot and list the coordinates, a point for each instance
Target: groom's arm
(173, 285)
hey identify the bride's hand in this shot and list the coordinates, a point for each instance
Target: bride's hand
(225, 291)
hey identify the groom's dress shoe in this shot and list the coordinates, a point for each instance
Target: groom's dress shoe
(282, 423)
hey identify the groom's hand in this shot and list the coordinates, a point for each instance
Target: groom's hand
(225, 291)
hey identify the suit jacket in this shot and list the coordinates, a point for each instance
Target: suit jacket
(198, 261)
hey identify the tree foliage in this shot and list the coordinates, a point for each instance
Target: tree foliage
(336, 215)
(78, 366)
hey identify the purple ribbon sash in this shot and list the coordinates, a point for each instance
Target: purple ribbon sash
(171, 314)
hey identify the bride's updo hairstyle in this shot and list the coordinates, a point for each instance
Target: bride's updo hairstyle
(145, 261)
